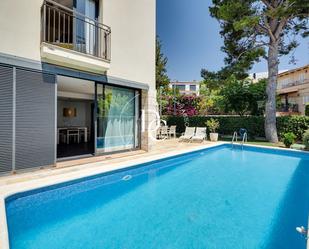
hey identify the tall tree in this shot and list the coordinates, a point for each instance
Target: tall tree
(212, 80)
(162, 79)
(254, 29)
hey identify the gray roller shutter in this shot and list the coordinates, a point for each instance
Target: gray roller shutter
(6, 118)
(35, 119)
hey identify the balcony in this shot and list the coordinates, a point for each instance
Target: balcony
(283, 85)
(288, 108)
(188, 92)
(71, 39)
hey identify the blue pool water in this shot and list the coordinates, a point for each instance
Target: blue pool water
(220, 198)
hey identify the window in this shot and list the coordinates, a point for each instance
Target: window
(193, 88)
(181, 87)
(284, 82)
(306, 99)
(301, 77)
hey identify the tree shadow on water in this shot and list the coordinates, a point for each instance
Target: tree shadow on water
(293, 211)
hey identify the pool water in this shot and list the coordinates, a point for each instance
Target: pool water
(219, 198)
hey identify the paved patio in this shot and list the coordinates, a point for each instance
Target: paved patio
(161, 149)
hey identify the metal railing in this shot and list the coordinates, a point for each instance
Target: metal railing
(288, 108)
(244, 140)
(283, 85)
(235, 138)
(69, 29)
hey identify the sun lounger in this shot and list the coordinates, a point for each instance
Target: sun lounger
(189, 133)
(200, 134)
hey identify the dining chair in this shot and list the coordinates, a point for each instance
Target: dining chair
(62, 136)
(73, 133)
(159, 133)
(164, 132)
(81, 134)
(172, 131)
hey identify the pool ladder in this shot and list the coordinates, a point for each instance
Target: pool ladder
(235, 138)
(244, 139)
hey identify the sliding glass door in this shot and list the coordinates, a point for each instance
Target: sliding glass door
(117, 118)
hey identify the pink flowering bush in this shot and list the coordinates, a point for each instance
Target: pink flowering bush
(184, 105)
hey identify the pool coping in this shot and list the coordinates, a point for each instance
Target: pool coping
(97, 169)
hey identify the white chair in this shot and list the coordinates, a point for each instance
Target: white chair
(158, 133)
(83, 136)
(172, 131)
(164, 132)
(200, 134)
(188, 134)
(73, 133)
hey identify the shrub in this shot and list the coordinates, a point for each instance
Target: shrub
(306, 139)
(288, 139)
(212, 125)
(307, 110)
(296, 124)
(228, 124)
(253, 124)
(184, 105)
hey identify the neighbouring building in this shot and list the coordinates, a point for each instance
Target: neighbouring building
(255, 77)
(293, 90)
(186, 87)
(77, 78)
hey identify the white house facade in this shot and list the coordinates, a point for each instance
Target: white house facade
(77, 79)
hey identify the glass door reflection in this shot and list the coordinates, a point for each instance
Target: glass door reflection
(117, 118)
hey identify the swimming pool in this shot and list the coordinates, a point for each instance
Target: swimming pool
(217, 198)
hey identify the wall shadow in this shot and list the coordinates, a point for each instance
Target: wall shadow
(294, 210)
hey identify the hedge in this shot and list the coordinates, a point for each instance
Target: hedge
(254, 124)
(296, 124)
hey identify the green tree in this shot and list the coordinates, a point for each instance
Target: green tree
(254, 29)
(244, 97)
(211, 101)
(237, 96)
(162, 79)
(212, 80)
(258, 97)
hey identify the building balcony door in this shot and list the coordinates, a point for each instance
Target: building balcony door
(118, 118)
(85, 25)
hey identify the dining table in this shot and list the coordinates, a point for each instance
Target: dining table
(78, 128)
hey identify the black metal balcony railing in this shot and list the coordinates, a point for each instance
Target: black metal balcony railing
(288, 108)
(66, 28)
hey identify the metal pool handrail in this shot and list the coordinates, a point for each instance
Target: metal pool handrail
(244, 139)
(235, 137)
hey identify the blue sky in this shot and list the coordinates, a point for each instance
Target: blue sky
(191, 40)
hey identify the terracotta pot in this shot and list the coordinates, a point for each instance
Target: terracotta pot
(213, 137)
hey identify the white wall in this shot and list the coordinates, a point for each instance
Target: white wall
(20, 29)
(83, 110)
(133, 38)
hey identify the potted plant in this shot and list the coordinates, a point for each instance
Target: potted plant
(213, 125)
